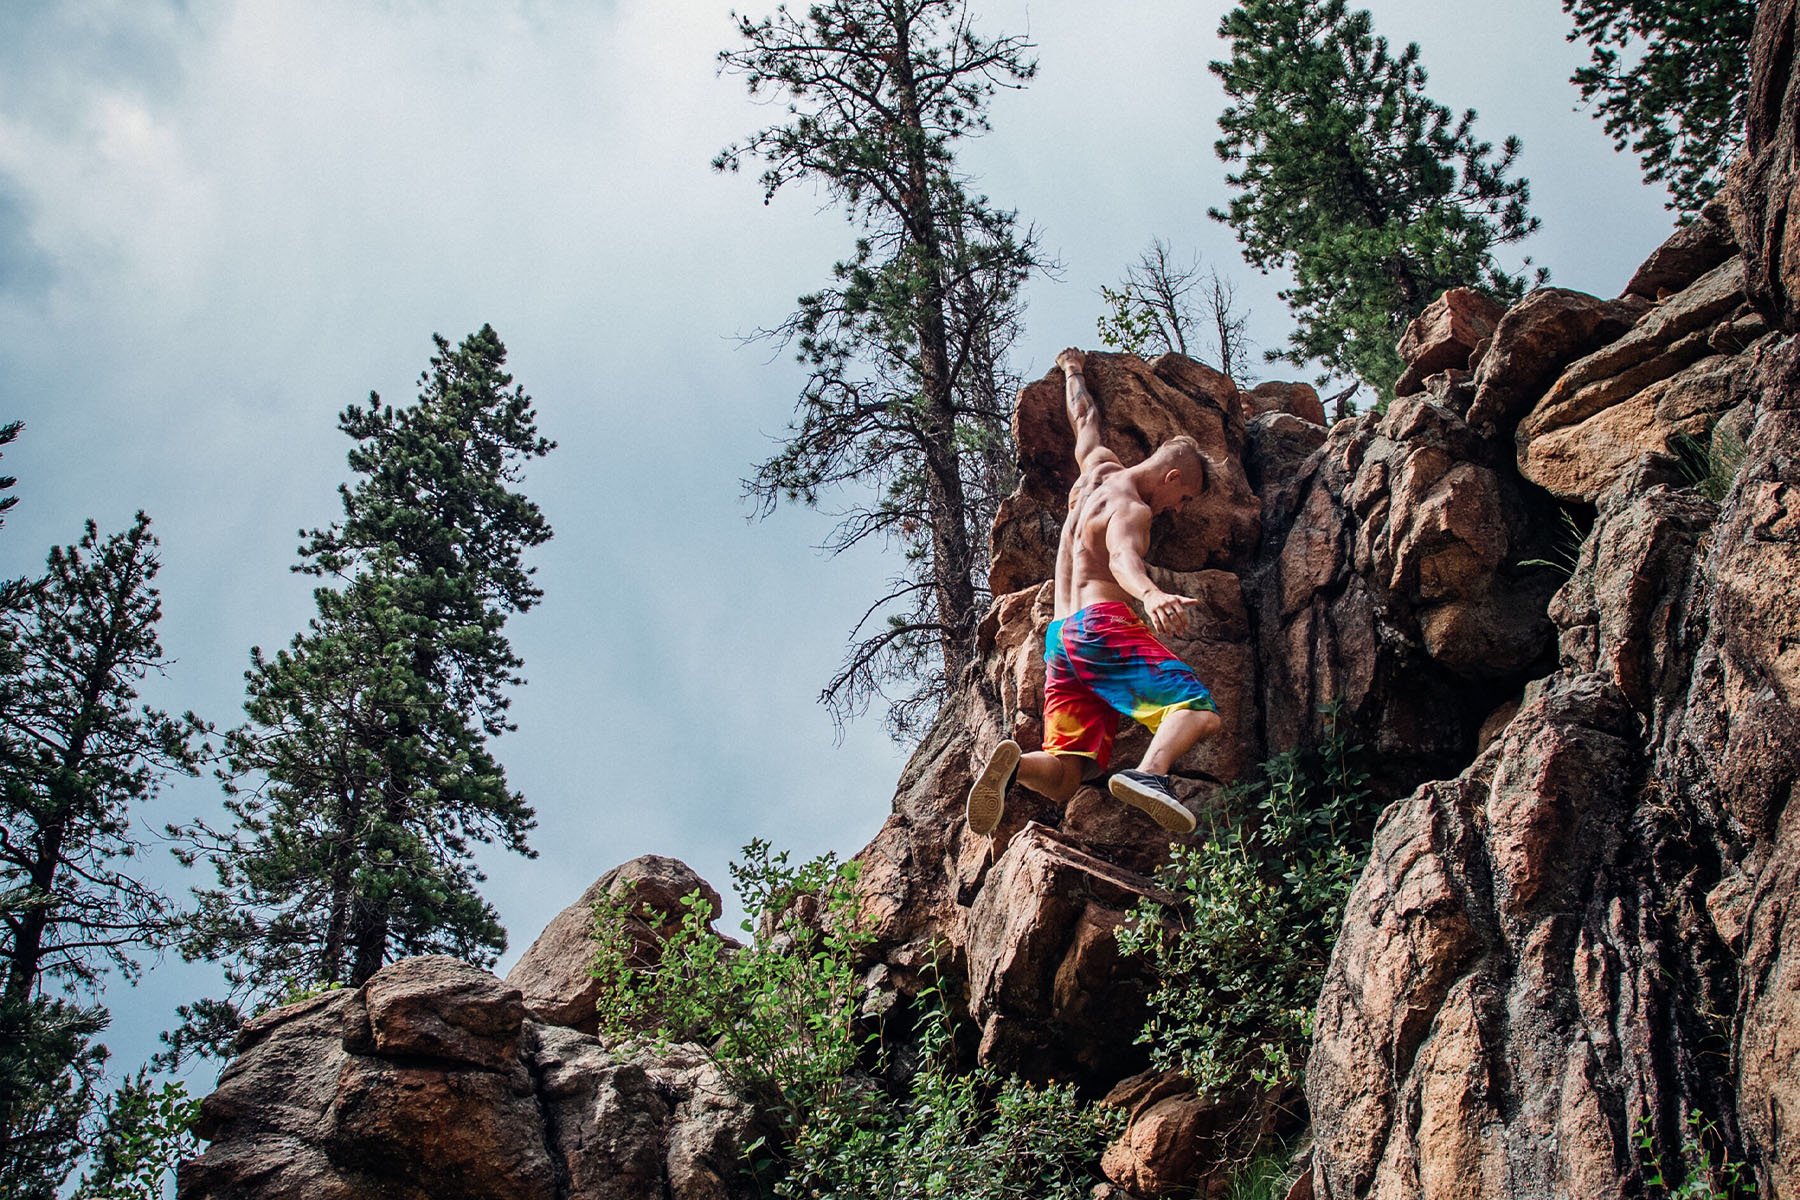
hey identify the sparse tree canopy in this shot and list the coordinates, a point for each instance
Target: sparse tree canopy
(1374, 196)
(1164, 304)
(908, 394)
(363, 775)
(1670, 79)
(79, 757)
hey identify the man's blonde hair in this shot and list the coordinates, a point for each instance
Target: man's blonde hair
(1184, 454)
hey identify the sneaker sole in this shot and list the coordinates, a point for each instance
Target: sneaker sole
(1165, 812)
(987, 796)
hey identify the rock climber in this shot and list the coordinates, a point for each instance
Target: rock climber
(1101, 661)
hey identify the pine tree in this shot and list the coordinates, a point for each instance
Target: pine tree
(79, 757)
(1679, 104)
(909, 394)
(1376, 197)
(363, 776)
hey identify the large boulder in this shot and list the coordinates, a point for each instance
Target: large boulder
(1534, 342)
(430, 1082)
(555, 973)
(1445, 336)
(1047, 984)
(1670, 377)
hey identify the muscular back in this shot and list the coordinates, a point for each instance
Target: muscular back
(1084, 575)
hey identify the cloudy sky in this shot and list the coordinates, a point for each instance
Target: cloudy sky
(222, 220)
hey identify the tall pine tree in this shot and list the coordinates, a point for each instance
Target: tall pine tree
(1374, 196)
(79, 758)
(909, 392)
(364, 777)
(1670, 79)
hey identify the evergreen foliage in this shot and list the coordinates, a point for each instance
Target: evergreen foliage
(49, 1067)
(364, 776)
(908, 393)
(1670, 79)
(79, 757)
(1374, 196)
(1240, 962)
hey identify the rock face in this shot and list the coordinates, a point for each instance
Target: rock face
(1583, 940)
(1445, 335)
(430, 1081)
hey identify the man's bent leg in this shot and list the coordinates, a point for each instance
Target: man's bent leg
(1147, 788)
(1179, 732)
(1057, 776)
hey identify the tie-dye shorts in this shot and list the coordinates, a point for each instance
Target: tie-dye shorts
(1101, 663)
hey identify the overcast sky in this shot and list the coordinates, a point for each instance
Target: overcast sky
(222, 221)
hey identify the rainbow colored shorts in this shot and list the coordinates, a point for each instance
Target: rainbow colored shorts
(1101, 663)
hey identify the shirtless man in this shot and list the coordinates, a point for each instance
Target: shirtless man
(1100, 660)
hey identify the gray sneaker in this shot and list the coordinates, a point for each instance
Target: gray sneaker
(1151, 794)
(987, 797)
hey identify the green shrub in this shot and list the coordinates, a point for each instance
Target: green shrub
(145, 1133)
(968, 1136)
(1239, 961)
(777, 1015)
(780, 1019)
(1702, 1178)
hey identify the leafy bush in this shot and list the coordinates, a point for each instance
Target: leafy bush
(146, 1132)
(780, 1020)
(778, 1014)
(1240, 960)
(971, 1136)
(1702, 1178)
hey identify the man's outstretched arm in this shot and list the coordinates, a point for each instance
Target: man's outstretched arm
(1127, 540)
(1084, 414)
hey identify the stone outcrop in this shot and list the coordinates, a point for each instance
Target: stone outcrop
(1670, 377)
(554, 974)
(1763, 191)
(1444, 337)
(1582, 943)
(1047, 984)
(430, 1081)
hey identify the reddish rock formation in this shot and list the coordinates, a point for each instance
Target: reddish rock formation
(1295, 399)
(1762, 194)
(1046, 982)
(1671, 376)
(430, 1082)
(1445, 335)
